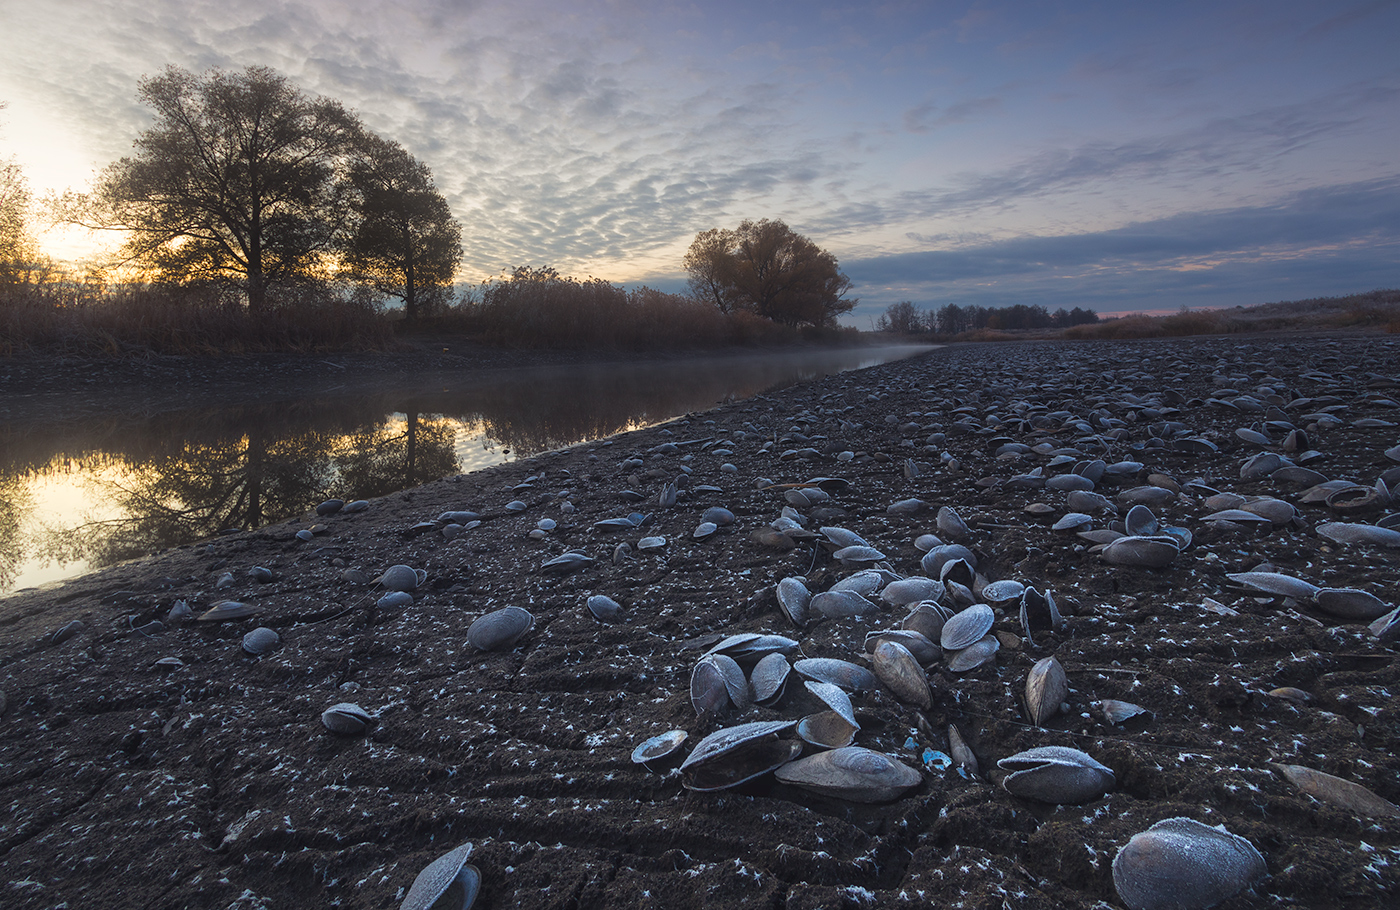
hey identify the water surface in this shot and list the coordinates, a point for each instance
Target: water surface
(74, 498)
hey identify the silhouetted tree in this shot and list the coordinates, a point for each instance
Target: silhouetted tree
(769, 269)
(903, 318)
(403, 241)
(235, 182)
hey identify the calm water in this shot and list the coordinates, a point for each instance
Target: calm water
(73, 499)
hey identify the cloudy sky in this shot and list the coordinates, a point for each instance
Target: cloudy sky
(1114, 155)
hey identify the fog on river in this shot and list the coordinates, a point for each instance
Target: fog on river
(75, 498)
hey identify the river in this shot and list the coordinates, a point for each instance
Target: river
(132, 483)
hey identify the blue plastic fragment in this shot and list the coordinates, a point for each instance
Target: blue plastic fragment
(938, 761)
(911, 744)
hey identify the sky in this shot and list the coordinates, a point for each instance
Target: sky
(1117, 156)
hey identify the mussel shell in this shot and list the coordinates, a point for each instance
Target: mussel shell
(1355, 534)
(1182, 864)
(1047, 688)
(961, 752)
(732, 755)
(709, 695)
(393, 600)
(793, 599)
(769, 677)
(1119, 712)
(834, 697)
(1336, 791)
(924, 651)
(1144, 552)
(858, 556)
(566, 562)
(228, 609)
(260, 641)
(851, 773)
(827, 730)
(500, 629)
(866, 582)
(1005, 591)
(346, 719)
(901, 673)
(734, 680)
(1351, 603)
(659, 750)
(932, 562)
(1056, 774)
(704, 530)
(1140, 522)
(434, 885)
(927, 618)
(402, 578)
(974, 655)
(1276, 583)
(843, 673)
(1039, 613)
(911, 590)
(603, 607)
(718, 515)
(967, 627)
(839, 604)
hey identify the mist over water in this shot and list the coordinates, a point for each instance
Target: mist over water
(75, 498)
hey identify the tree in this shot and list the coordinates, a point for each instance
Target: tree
(19, 252)
(403, 240)
(234, 183)
(769, 269)
(902, 318)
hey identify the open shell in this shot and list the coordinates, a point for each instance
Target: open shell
(346, 719)
(1056, 774)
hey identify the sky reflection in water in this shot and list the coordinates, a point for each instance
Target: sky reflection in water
(128, 485)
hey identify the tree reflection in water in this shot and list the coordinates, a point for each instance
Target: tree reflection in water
(171, 479)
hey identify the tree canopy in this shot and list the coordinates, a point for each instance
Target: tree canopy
(235, 182)
(769, 269)
(403, 239)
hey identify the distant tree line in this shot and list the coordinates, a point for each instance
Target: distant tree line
(951, 319)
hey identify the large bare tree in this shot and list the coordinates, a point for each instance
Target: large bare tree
(235, 182)
(403, 239)
(769, 269)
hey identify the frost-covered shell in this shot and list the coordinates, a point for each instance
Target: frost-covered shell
(1047, 688)
(704, 530)
(1276, 583)
(852, 773)
(393, 600)
(447, 883)
(827, 730)
(709, 695)
(858, 556)
(603, 607)
(402, 578)
(660, 750)
(866, 582)
(841, 537)
(1359, 534)
(927, 618)
(839, 604)
(843, 673)
(260, 641)
(1118, 712)
(346, 718)
(1351, 603)
(500, 629)
(732, 755)
(228, 609)
(1005, 591)
(718, 515)
(901, 673)
(950, 524)
(834, 697)
(1181, 864)
(769, 677)
(566, 562)
(932, 562)
(911, 590)
(1056, 774)
(734, 680)
(961, 752)
(794, 599)
(967, 627)
(924, 651)
(974, 655)
(1143, 552)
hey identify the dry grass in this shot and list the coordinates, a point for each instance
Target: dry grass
(87, 320)
(1376, 309)
(537, 308)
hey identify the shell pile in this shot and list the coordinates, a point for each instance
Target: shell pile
(1028, 599)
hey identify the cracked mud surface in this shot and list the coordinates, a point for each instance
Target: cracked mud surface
(123, 784)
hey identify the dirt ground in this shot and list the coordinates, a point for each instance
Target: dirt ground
(130, 780)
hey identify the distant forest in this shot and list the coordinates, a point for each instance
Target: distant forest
(906, 319)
